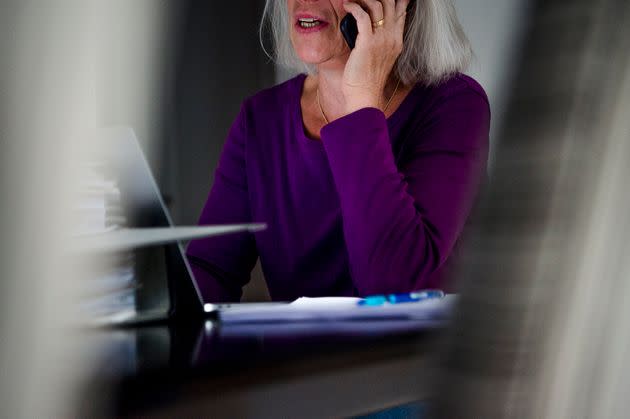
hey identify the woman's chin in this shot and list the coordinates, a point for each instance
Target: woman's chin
(317, 59)
(311, 57)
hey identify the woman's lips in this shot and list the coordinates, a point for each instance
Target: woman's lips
(316, 28)
(301, 29)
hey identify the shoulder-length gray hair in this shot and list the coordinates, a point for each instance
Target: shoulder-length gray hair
(434, 47)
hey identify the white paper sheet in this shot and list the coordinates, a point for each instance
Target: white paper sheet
(339, 308)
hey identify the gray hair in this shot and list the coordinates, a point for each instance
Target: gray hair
(434, 47)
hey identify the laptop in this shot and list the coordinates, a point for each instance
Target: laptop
(161, 284)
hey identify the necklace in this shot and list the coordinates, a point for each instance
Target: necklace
(384, 109)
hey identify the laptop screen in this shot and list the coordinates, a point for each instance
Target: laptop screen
(139, 283)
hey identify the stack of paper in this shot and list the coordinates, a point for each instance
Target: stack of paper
(97, 208)
(98, 211)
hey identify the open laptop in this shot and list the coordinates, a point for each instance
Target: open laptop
(163, 282)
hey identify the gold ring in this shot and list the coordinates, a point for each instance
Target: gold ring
(378, 23)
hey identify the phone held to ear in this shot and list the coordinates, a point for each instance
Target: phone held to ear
(349, 30)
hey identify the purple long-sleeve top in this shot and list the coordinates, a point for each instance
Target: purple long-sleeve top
(375, 207)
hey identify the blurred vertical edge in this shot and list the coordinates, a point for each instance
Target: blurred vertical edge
(541, 328)
(54, 77)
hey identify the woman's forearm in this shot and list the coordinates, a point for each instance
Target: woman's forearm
(400, 224)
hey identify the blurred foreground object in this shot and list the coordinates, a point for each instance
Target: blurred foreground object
(54, 77)
(47, 84)
(542, 330)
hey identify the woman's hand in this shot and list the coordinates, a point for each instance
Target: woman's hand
(375, 51)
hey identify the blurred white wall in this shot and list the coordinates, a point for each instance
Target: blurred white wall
(495, 29)
(138, 69)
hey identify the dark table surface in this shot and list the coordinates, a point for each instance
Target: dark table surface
(265, 370)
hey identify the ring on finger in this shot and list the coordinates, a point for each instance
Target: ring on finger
(378, 23)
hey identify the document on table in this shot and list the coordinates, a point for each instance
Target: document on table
(339, 308)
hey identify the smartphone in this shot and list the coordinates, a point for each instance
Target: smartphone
(349, 30)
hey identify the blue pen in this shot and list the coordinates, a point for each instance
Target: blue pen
(411, 297)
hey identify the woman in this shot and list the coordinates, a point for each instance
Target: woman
(365, 168)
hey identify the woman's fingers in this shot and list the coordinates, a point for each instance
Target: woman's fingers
(401, 8)
(389, 34)
(389, 11)
(364, 21)
(375, 9)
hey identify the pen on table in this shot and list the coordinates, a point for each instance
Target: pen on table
(410, 297)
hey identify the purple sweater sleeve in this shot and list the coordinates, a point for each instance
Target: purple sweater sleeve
(401, 221)
(222, 265)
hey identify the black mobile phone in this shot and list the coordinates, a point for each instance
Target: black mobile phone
(349, 29)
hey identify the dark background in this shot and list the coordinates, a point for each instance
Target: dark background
(219, 62)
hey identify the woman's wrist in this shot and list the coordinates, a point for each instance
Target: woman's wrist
(357, 103)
